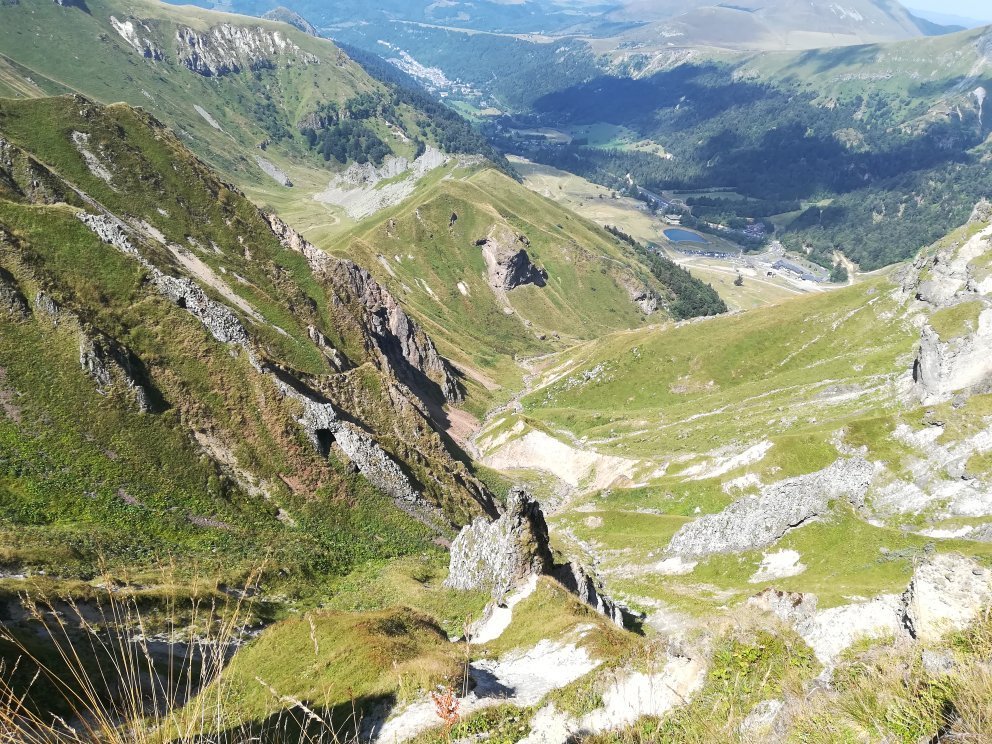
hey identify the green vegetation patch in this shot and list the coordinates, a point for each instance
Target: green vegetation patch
(956, 321)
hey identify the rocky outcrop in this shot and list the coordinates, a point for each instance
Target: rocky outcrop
(955, 278)
(830, 631)
(397, 340)
(574, 577)
(963, 364)
(110, 364)
(23, 177)
(640, 294)
(12, 301)
(132, 32)
(222, 323)
(227, 48)
(946, 594)
(325, 428)
(507, 260)
(757, 521)
(498, 556)
(47, 307)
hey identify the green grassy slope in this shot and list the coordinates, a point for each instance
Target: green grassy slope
(707, 412)
(432, 263)
(218, 470)
(49, 49)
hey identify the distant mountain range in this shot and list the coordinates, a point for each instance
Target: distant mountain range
(770, 24)
(736, 24)
(949, 19)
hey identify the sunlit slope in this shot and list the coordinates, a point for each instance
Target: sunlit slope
(130, 51)
(426, 251)
(161, 347)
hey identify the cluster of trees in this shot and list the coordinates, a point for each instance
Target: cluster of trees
(347, 140)
(690, 297)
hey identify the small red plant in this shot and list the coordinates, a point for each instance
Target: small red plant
(446, 705)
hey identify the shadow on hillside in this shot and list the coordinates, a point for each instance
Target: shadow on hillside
(769, 142)
(346, 723)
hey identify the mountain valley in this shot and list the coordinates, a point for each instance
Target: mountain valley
(532, 372)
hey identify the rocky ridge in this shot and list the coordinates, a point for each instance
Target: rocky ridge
(396, 340)
(758, 521)
(227, 48)
(110, 363)
(319, 418)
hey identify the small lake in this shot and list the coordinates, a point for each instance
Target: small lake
(684, 236)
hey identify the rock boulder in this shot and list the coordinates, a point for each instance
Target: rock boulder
(508, 263)
(757, 521)
(946, 594)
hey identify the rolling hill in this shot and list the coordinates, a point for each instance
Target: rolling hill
(759, 24)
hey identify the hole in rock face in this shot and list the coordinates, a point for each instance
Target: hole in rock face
(324, 441)
(917, 371)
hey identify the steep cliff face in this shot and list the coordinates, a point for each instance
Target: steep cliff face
(395, 339)
(227, 48)
(952, 289)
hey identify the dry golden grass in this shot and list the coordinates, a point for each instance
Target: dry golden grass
(127, 675)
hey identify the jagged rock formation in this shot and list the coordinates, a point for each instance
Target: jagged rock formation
(946, 593)
(757, 521)
(395, 339)
(12, 301)
(129, 31)
(324, 427)
(497, 556)
(955, 279)
(584, 585)
(46, 306)
(285, 15)
(109, 363)
(227, 48)
(398, 340)
(507, 261)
